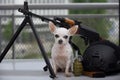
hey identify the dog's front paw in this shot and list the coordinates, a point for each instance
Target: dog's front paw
(68, 74)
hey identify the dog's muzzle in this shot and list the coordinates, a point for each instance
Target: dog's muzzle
(60, 41)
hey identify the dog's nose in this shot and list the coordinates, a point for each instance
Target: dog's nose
(60, 41)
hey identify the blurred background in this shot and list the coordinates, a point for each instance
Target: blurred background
(104, 21)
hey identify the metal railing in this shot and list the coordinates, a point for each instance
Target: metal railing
(65, 6)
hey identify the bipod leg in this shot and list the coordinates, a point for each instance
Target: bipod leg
(41, 48)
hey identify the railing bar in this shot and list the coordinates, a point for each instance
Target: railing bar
(64, 6)
(73, 15)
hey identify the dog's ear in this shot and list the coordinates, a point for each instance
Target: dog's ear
(73, 30)
(52, 27)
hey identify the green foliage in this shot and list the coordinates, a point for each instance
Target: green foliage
(87, 11)
(77, 1)
(7, 31)
(80, 43)
(101, 25)
(32, 56)
(26, 37)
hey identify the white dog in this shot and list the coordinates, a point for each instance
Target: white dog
(61, 51)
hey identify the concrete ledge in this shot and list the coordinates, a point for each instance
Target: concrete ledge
(32, 69)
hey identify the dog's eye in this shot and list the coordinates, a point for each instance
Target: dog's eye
(56, 35)
(65, 36)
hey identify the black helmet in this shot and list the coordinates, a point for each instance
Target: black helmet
(102, 56)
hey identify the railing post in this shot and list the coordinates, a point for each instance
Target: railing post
(13, 31)
(119, 29)
(0, 37)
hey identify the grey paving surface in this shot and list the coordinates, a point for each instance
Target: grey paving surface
(33, 70)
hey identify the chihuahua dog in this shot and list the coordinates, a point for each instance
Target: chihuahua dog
(61, 51)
